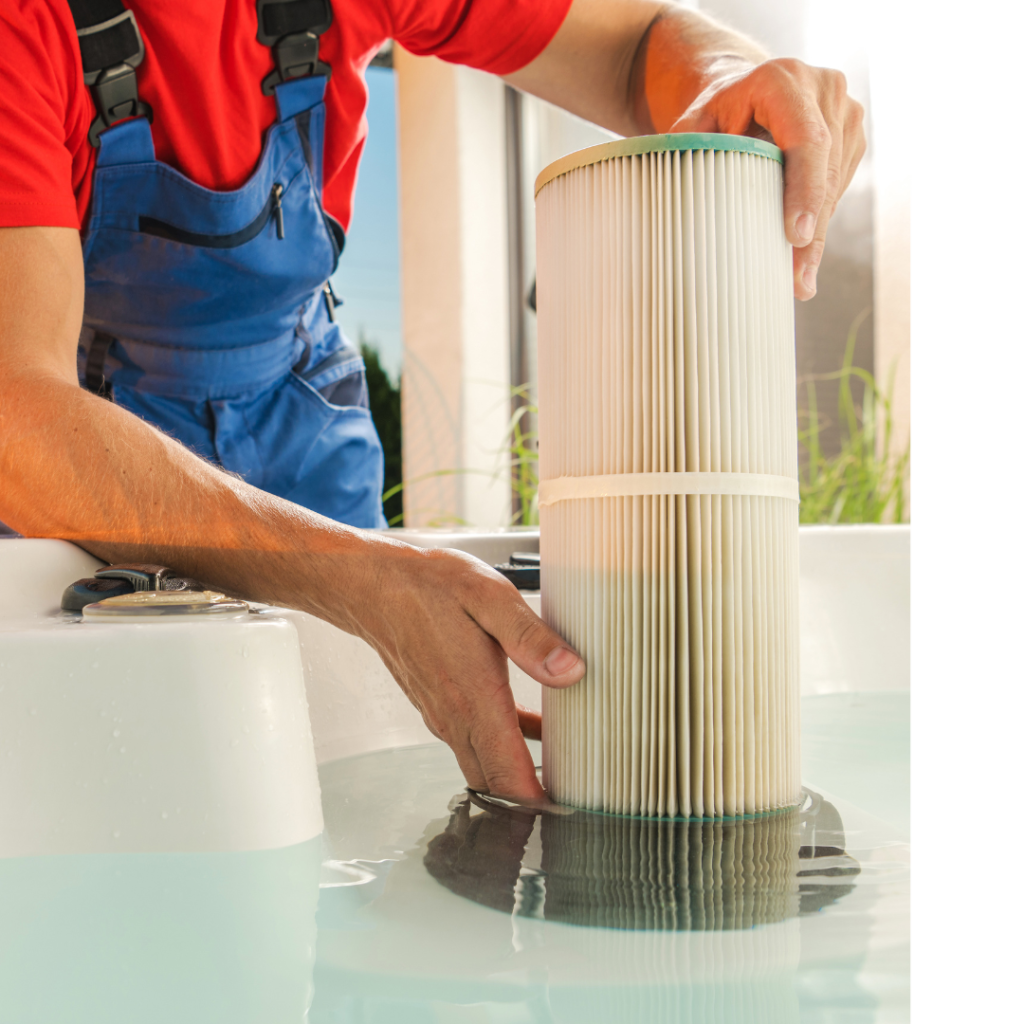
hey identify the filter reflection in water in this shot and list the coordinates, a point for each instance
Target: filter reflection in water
(643, 874)
(398, 946)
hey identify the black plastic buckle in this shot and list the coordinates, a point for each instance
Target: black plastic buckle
(116, 94)
(296, 44)
(296, 56)
(115, 89)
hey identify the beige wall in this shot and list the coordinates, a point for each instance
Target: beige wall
(891, 140)
(454, 250)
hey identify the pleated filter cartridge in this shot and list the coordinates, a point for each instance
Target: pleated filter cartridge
(668, 468)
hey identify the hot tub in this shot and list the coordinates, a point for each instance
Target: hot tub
(415, 903)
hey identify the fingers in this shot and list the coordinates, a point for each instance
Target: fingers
(785, 97)
(469, 765)
(698, 118)
(854, 144)
(507, 764)
(487, 740)
(531, 644)
(495, 740)
(497, 737)
(529, 722)
(832, 102)
(452, 622)
(819, 129)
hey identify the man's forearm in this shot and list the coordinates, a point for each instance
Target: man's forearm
(633, 66)
(77, 467)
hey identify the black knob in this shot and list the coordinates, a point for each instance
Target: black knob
(523, 570)
(115, 580)
(88, 591)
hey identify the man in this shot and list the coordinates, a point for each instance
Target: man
(198, 246)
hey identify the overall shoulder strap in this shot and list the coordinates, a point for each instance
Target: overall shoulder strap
(112, 49)
(291, 28)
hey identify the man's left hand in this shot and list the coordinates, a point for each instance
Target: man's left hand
(807, 113)
(643, 66)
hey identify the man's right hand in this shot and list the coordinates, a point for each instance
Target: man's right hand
(77, 467)
(445, 624)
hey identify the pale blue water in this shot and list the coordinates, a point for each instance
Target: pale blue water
(714, 926)
(858, 744)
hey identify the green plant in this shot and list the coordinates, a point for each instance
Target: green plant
(443, 519)
(866, 481)
(386, 410)
(522, 447)
(519, 444)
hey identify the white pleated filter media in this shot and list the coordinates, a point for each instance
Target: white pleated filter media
(668, 467)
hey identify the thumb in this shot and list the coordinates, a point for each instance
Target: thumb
(696, 119)
(531, 644)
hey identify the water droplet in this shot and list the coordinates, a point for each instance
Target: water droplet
(117, 833)
(123, 749)
(165, 815)
(95, 664)
(234, 743)
(34, 711)
(117, 732)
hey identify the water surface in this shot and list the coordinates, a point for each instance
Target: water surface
(423, 903)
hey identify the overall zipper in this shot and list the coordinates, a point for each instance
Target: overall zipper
(271, 208)
(275, 208)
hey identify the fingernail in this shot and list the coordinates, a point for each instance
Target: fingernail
(811, 279)
(804, 227)
(560, 661)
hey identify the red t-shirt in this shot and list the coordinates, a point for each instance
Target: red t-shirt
(201, 75)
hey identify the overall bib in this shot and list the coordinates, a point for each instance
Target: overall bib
(207, 313)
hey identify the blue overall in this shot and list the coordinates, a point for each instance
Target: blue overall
(212, 310)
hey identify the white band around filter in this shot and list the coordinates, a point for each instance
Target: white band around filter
(628, 485)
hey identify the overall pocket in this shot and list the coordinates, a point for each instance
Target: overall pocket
(271, 208)
(340, 379)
